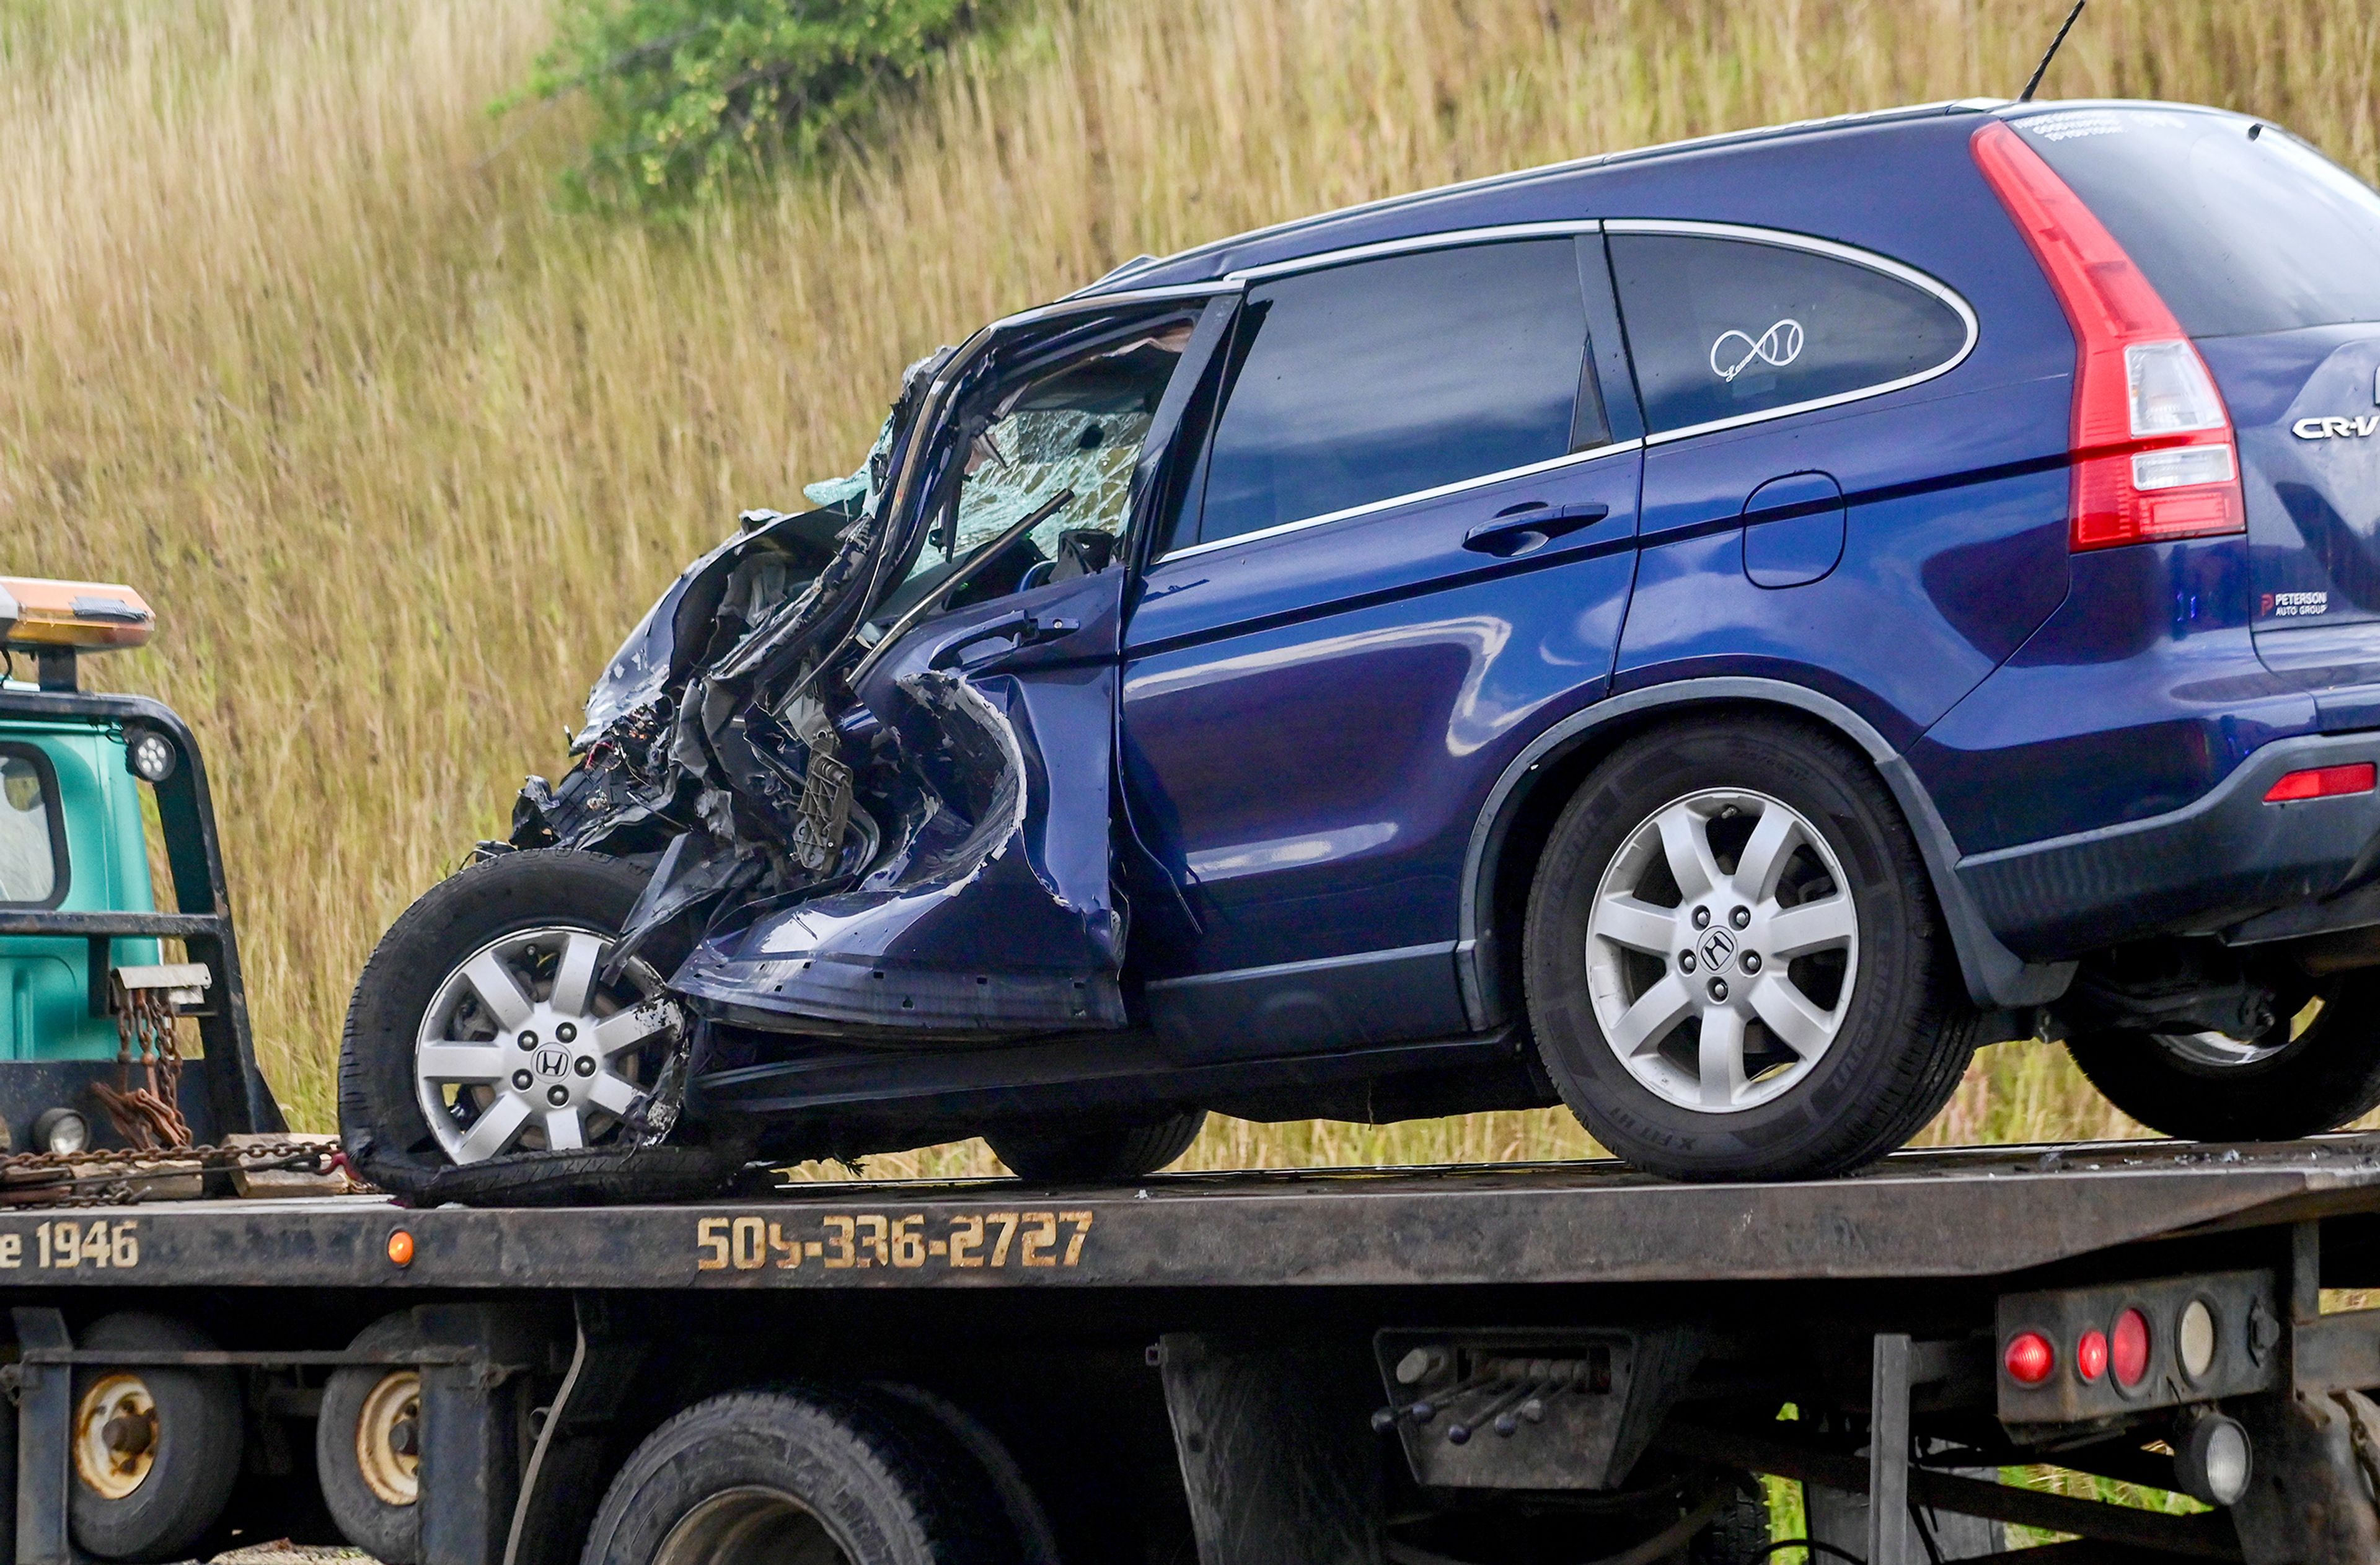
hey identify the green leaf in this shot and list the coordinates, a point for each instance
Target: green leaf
(690, 94)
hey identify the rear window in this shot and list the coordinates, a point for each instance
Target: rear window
(2241, 226)
(1724, 328)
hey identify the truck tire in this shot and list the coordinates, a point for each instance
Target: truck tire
(800, 1476)
(1737, 1534)
(2204, 1087)
(155, 1448)
(1037, 1542)
(1048, 1154)
(1733, 959)
(521, 911)
(367, 1446)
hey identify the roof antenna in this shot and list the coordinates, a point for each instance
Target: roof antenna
(2042, 69)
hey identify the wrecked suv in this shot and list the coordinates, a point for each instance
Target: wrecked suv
(1708, 636)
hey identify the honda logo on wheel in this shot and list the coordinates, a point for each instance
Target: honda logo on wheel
(552, 1062)
(1717, 947)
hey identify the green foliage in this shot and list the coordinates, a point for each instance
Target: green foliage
(689, 94)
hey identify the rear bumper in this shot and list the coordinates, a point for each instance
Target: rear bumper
(2227, 863)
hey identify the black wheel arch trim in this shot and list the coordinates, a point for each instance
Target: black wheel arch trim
(1998, 981)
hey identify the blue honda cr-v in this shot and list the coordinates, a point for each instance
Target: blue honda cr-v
(1710, 635)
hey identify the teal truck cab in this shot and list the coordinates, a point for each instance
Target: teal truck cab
(79, 915)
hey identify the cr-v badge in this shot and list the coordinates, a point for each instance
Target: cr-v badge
(2341, 429)
(2335, 428)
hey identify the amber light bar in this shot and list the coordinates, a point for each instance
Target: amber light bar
(84, 616)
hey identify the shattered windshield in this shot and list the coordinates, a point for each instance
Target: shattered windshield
(1079, 430)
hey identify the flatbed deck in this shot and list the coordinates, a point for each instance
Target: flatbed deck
(1967, 1213)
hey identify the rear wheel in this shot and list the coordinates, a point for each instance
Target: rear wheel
(1051, 1153)
(368, 1446)
(486, 1060)
(1733, 963)
(800, 1477)
(156, 1448)
(2315, 1068)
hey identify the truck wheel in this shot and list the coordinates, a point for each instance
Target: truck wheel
(1733, 963)
(2305, 1075)
(799, 1477)
(483, 1061)
(368, 1446)
(156, 1449)
(1049, 1154)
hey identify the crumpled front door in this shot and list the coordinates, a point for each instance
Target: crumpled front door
(990, 909)
(995, 914)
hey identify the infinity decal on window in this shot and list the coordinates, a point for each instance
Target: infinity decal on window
(1778, 346)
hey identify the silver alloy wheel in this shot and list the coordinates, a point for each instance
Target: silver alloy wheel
(1722, 949)
(2220, 1051)
(521, 1047)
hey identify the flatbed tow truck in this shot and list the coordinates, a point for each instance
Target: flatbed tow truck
(1506, 1365)
(1311, 1366)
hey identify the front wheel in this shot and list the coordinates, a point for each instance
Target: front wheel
(1733, 964)
(487, 1059)
(2315, 1068)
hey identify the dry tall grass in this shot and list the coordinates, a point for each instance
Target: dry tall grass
(292, 336)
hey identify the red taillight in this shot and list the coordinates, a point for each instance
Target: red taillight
(2090, 1356)
(2153, 450)
(2325, 783)
(2029, 1358)
(2128, 1350)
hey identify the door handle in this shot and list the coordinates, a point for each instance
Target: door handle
(1529, 527)
(1025, 628)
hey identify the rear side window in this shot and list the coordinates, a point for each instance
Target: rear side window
(1361, 382)
(2240, 225)
(32, 846)
(1723, 328)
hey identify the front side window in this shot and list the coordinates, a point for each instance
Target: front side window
(1075, 432)
(30, 835)
(1720, 328)
(1360, 382)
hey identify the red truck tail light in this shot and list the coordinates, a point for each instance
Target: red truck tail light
(2090, 1356)
(2127, 1349)
(2029, 1358)
(2152, 444)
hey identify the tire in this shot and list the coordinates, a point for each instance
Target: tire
(1037, 1542)
(159, 1502)
(383, 1118)
(1876, 1028)
(371, 1480)
(800, 1476)
(1737, 1534)
(2276, 1088)
(1047, 1154)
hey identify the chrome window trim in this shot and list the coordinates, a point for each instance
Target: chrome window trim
(1100, 304)
(1450, 239)
(1394, 501)
(1780, 240)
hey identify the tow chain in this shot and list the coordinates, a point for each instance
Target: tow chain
(2359, 1419)
(149, 1118)
(125, 1175)
(148, 1115)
